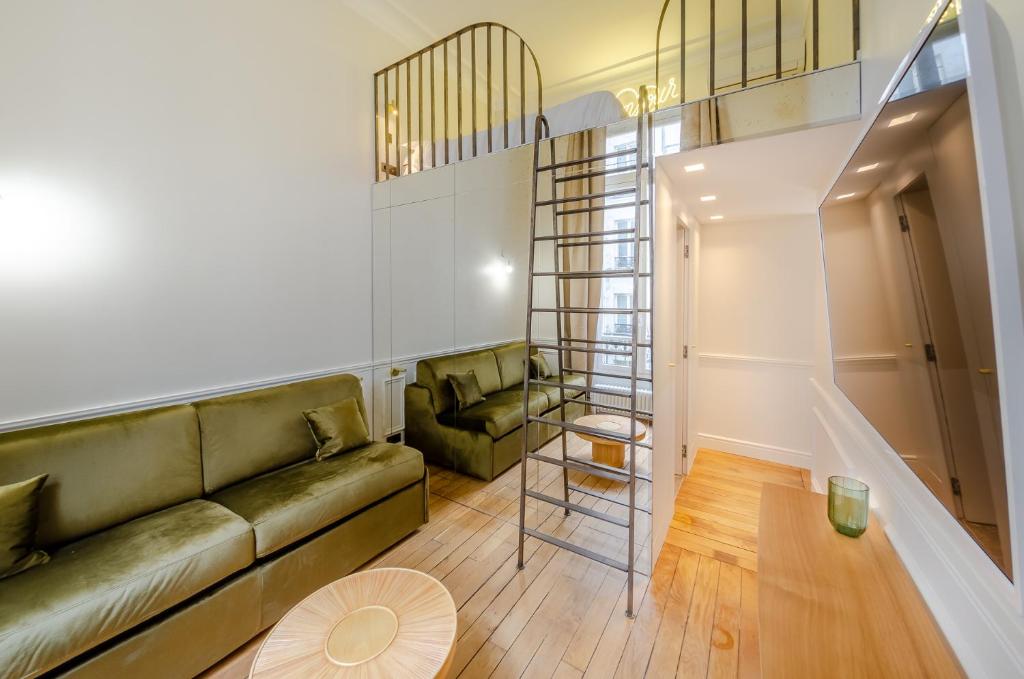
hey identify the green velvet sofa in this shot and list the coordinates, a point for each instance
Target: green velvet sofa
(177, 534)
(485, 439)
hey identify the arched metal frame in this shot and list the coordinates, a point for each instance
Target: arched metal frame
(383, 166)
(744, 46)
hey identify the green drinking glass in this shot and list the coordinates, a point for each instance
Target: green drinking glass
(848, 505)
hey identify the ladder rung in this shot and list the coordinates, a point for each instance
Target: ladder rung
(640, 413)
(642, 345)
(589, 309)
(587, 161)
(595, 373)
(593, 513)
(587, 467)
(607, 498)
(591, 274)
(592, 431)
(643, 239)
(604, 467)
(587, 196)
(599, 173)
(597, 208)
(582, 350)
(574, 387)
(582, 551)
(587, 234)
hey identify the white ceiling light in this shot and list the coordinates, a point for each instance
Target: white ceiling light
(900, 120)
(708, 199)
(867, 168)
(696, 167)
(845, 195)
(716, 218)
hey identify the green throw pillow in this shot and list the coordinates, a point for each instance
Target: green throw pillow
(467, 388)
(539, 367)
(337, 428)
(19, 517)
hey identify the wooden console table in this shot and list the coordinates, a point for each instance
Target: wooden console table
(834, 606)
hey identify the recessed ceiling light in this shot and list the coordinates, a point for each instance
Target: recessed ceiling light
(716, 218)
(845, 195)
(899, 120)
(708, 199)
(867, 168)
(696, 167)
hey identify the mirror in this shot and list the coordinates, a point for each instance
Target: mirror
(908, 291)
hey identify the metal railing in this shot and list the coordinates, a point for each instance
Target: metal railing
(425, 128)
(811, 61)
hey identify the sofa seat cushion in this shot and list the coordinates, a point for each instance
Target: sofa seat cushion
(553, 393)
(100, 586)
(286, 505)
(500, 414)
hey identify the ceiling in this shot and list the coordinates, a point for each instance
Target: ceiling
(783, 174)
(577, 42)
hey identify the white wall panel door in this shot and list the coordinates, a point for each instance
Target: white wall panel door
(422, 277)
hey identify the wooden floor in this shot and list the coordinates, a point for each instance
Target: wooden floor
(563, 615)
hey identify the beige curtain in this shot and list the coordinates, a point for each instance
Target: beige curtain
(582, 292)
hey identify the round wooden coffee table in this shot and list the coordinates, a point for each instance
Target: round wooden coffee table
(605, 451)
(387, 622)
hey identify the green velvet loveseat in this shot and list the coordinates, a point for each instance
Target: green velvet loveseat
(177, 534)
(485, 439)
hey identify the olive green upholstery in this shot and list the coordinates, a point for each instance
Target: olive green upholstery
(94, 589)
(501, 413)
(106, 471)
(176, 534)
(184, 641)
(285, 506)
(554, 393)
(247, 434)
(485, 439)
(433, 374)
(298, 572)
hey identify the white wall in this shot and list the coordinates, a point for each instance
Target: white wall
(440, 240)
(977, 608)
(186, 198)
(755, 338)
(667, 433)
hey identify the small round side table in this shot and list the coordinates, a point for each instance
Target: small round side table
(607, 451)
(386, 622)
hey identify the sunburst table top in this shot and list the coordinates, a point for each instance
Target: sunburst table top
(385, 622)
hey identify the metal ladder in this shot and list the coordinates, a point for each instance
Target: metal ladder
(642, 233)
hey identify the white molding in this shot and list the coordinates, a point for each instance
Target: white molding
(880, 360)
(414, 358)
(971, 600)
(178, 398)
(758, 451)
(761, 360)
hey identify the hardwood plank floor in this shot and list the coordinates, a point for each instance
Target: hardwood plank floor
(563, 615)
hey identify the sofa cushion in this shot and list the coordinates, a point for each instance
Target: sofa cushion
(500, 414)
(19, 514)
(96, 588)
(432, 373)
(554, 394)
(106, 471)
(248, 434)
(289, 504)
(510, 363)
(337, 428)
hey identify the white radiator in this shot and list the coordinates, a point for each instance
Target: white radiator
(644, 399)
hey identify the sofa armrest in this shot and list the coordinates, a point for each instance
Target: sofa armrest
(438, 442)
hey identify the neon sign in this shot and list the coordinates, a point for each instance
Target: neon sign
(629, 97)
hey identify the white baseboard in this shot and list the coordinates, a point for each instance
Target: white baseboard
(758, 451)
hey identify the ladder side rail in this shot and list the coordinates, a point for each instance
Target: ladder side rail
(638, 216)
(558, 326)
(540, 125)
